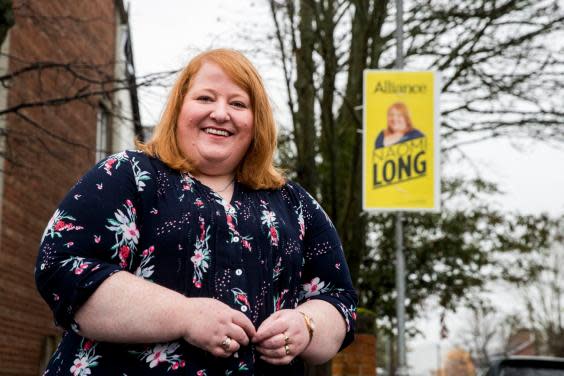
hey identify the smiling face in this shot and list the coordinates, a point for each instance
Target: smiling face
(215, 124)
(396, 121)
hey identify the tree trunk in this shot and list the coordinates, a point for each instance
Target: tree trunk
(6, 18)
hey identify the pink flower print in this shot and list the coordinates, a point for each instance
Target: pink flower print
(202, 230)
(240, 297)
(124, 252)
(197, 258)
(201, 372)
(97, 239)
(199, 203)
(129, 203)
(279, 301)
(80, 366)
(229, 219)
(80, 268)
(158, 356)
(87, 345)
(182, 363)
(99, 186)
(277, 269)
(125, 229)
(243, 299)
(154, 211)
(201, 255)
(56, 297)
(269, 216)
(274, 236)
(57, 224)
(148, 251)
(243, 366)
(108, 165)
(162, 353)
(130, 231)
(314, 287)
(60, 225)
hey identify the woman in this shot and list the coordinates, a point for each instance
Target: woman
(195, 255)
(399, 127)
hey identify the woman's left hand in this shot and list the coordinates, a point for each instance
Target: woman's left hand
(282, 337)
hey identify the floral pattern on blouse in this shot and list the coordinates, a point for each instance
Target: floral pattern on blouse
(263, 251)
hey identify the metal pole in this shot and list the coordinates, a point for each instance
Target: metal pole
(439, 362)
(400, 260)
(400, 302)
(399, 34)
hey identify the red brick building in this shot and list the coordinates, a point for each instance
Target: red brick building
(66, 99)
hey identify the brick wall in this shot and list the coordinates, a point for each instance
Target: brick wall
(359, 359)
(47, 152)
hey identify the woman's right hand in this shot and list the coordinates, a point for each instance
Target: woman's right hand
(209, 324)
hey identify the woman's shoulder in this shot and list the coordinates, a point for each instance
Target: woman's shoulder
(297, 194)
(136, 158)
(131, 166)
(414, 133)
(379, 142)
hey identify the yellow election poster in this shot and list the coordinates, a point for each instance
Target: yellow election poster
(401, 141)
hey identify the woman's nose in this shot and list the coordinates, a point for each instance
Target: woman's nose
(220, 113)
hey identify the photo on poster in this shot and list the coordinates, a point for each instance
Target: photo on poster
(401, 147)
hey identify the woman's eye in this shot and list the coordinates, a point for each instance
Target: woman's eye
(204, 98)
(239, 104)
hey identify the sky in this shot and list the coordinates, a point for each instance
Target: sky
(165, 37)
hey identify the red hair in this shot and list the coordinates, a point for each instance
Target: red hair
(402, 109)
(256, 169)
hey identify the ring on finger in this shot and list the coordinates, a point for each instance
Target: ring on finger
(287, 349)
(226, 343)
(286, 339)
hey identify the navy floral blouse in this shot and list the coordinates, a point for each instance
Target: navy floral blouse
(264, 251)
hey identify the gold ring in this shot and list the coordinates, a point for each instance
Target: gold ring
(286, 339)
(287, 349)
(226, 343)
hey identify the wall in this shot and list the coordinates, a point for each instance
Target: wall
(49, 148)
(358, 359)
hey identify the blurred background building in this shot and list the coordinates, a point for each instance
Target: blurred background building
(67, 98)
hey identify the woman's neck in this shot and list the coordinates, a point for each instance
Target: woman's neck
(220, 184)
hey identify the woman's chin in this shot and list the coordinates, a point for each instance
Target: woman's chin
(215, 164)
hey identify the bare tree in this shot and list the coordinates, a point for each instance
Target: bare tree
(76, 81)
(544, 300)
(494, 57)
(501, 77)
(6, 18)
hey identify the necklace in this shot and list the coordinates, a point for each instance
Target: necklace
(227, 186)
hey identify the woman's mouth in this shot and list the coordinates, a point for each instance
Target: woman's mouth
(217, 132)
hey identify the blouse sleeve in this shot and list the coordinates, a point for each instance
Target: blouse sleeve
(92, 235)
(325, 274)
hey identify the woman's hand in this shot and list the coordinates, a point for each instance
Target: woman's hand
(282, 337)
(216, 327)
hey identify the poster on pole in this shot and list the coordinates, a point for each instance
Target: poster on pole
(401, 141)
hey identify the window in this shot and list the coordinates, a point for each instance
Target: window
(102, 133)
